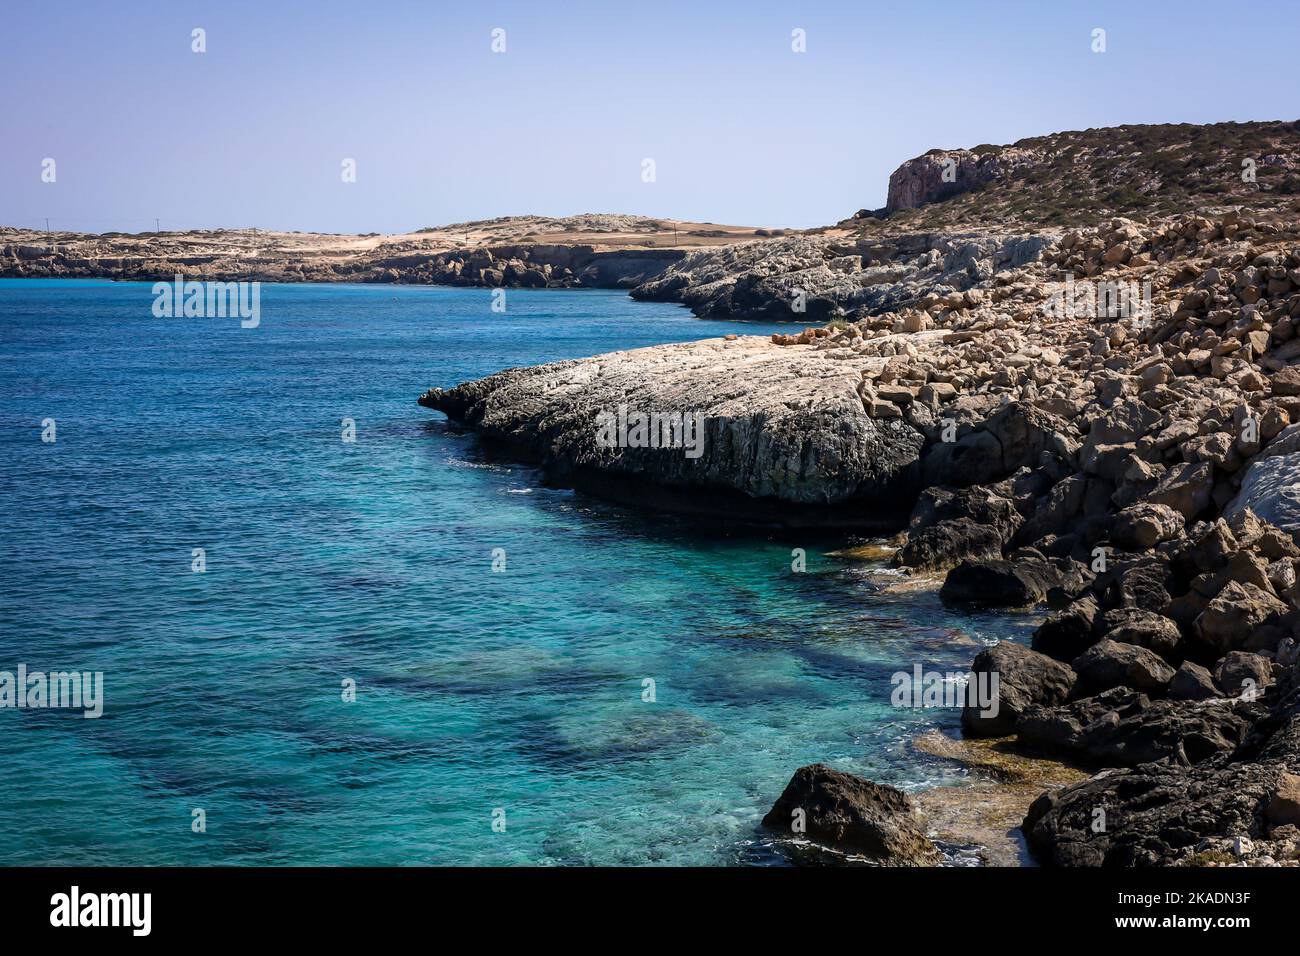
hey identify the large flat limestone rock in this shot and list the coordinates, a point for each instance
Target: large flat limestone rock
(782, 426)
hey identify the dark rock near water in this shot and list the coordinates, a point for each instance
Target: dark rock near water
(1164, 813)
(1026, 679)
(1154, 815)
(1124, 728)
(947, 543)
(854, 815)
(950, 525)
(1069, 632)
(1023, 581)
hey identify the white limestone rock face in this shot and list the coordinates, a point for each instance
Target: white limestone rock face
(1271, 489)
(781, 425)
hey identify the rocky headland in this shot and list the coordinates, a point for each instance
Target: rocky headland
(1098, 414)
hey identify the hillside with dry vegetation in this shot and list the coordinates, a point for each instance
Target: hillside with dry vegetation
(1084, 177)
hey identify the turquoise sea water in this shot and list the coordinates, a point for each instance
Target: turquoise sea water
(371, 561)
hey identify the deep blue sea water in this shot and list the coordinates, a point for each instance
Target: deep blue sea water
(371, 561)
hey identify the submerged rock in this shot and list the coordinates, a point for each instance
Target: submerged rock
(984, 811)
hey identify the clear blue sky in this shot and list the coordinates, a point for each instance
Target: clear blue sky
(742, 130)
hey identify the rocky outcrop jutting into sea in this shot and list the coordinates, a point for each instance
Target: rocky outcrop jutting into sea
(785, 435)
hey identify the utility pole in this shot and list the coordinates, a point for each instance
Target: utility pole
(157, 225)
(47, 227)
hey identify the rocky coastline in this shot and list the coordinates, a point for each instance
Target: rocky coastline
(1103, 421)
(518, 252)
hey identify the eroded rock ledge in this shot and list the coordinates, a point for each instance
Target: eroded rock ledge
(786, 435)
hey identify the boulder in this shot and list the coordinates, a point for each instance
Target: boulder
(1124, 422)
(1140, 584)
(1192, 682)
(1241, 670)
(1235, 612)
(853, 815)
(1287, 381)
(1015, 436)
(1142, 526)
(1054, 512)
(1110, 664)
(1018, 582)
(1069, 632)
(1026, 679)
(1244, 567)
(1107, 461)
(949, 525)
(1185, 488)
(943, 545)
(1207, 545)
(1284, 804)
(1131, 625)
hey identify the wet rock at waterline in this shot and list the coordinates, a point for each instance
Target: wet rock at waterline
(853, 815)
